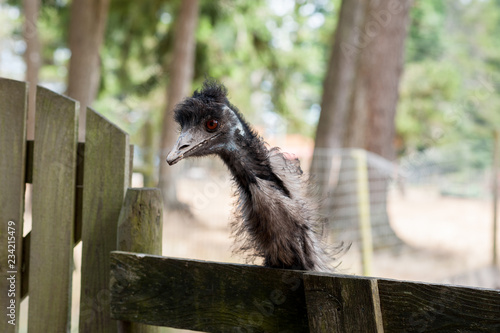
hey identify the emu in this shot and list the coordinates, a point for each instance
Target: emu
(278, 220)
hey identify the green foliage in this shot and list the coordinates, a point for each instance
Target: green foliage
(272, 55)
(426, 32)
(449, 93)
(257, 48)
(425, 111)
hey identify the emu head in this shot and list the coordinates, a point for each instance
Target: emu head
(209, 124)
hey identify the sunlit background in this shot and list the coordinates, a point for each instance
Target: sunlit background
(273, 55)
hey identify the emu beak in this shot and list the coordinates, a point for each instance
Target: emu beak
(181, 147)
(188, 143)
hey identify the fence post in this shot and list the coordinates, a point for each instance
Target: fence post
(363, 193)
(496, 146)
(342, 303)
(140, 230)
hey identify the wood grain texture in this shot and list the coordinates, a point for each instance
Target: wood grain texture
(78, 209)
(105, 179)
(206, 296)
(342, 303)
(13, 108)
(140, 222)
(140, 230)
(217, 297)
(30, 144)
(422, 307)
(54, 174)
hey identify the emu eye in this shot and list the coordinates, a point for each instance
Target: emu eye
(212, 125)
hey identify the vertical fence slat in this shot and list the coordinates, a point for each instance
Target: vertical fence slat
(54, 174)
(13, 97)
(495, 174)
(342, 304)
(140, 230)
(106, 177)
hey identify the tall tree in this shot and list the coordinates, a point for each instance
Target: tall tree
(376, 86)
(371, 123)
(369, 93)
(337, 89)
(86, 33)
(180, 69)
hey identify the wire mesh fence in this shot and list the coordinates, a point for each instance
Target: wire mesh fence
(353, 183)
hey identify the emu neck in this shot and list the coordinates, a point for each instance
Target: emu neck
(276, 232)
(249, 162)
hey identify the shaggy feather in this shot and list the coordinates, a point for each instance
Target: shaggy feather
(276, 220)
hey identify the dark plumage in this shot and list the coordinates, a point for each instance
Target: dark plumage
(276, 220)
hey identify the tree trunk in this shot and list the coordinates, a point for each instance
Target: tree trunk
(86, 34)
(370, 124)
(32, 58)
(337, 90)
(383, 90)
(377, 79)
(181, 70)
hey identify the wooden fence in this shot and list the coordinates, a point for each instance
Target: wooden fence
(220, 297)
(79, 193)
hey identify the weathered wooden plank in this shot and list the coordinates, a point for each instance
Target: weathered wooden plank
(206, 296)
(79, 182)
(140, 222)
(54, 174)
(338, 303)
(105, 179)
(13, 99)
(422, 307)
(140, 230)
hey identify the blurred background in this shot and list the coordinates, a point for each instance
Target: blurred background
(391, 106)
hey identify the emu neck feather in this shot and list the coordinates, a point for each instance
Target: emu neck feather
(273, 222)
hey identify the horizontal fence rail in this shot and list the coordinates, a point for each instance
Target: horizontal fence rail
(203, 296)
(219, 297)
